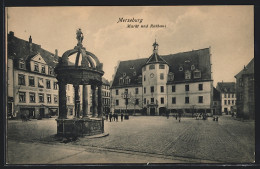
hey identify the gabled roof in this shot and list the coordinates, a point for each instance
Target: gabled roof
(248, 69)
(155, 58)
(199, 58)
(20, 49)
(226, 87)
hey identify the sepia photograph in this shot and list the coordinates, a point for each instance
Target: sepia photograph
(130, 85)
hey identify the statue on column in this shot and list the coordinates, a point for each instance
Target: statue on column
(79, 36)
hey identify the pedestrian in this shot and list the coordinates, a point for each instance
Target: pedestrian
(122, 117)
(179, 116)
(116, 117)
(106, 116)
(110, 116)
(176, 116)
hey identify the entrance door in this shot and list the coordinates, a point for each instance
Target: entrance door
(162, 111)
(225, 110)
(42, 113)
(152, 111)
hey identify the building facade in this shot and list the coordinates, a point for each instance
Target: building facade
(106, 95)
(172, 83)
(32, 86)
(228, 96)
(246, 92)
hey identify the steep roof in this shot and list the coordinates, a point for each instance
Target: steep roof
(199, 58)
(248, 69)
(225, 87)
(18, 48)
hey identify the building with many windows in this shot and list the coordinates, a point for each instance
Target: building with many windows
(32, 86)
(228, 96)
(105, 95)
(175, 83)
(246, 91)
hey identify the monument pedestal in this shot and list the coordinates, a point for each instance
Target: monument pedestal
(80, 127)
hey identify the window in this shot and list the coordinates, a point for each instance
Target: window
(68, 99)
(240, 82)
(200, 99)
(43, 69)
(21, 64)
(225, 95)
(187, 74)
(55, 99)
(228, 102)
(32, 97)
(170, 76)
(124, 74)
(48, 98)
(21, 96)
(144, 89)
(197, 74)
(173, 88)
(228, 95)
(144, 100)
(225, 102)
(162, 89)
(50, 70)
(55, 85)
(187, 100)
(152, 89)
(36, 67)
(187, 87)
(192, 67)
(173, 100)
(200, 86)
(117, 102)
(162, 100)
(31, 81)
(161, 76)
(120, 81)
(134, 73)
(152, 100)
(48, 84)
(152, 67)
(40, 82)
(21, 79)
(126, 91)
(136, 90)
(232, 102)
(144, 78)
(161, 66)
(232, 95)
(116, 91)
(136, 101)
(180, 68)
(41, 98)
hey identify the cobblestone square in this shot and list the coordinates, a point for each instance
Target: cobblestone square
(225, 141)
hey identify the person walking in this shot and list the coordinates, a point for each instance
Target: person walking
(179, 117)
(116, 117)
(110, 116)
(122, 117)
(176, 116)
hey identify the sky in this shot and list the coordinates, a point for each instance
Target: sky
(227, 30)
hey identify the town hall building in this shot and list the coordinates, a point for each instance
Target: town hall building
(172, 83)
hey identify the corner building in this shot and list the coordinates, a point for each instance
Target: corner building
(175, 83)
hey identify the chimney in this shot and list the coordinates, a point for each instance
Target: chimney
(30, 44)
(56, 52)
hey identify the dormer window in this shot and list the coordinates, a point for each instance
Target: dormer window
(152, 67)
(36, 67)
(134, 73)
(161, 66)
(127, 80)
(180, 68)
(43, 69)
(170, 76)
(21, 64)
(132, 67)
(124, 74)
(197, 74)
(192, 67)
(121, 81)
(187, 74)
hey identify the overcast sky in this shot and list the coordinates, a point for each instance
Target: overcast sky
(228, 30)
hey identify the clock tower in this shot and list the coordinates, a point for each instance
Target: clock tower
(154, 78)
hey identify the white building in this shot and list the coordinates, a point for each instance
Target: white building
(175, 83)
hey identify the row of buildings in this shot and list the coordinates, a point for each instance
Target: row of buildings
(155, 85)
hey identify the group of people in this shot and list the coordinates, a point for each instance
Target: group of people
(114, 117)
